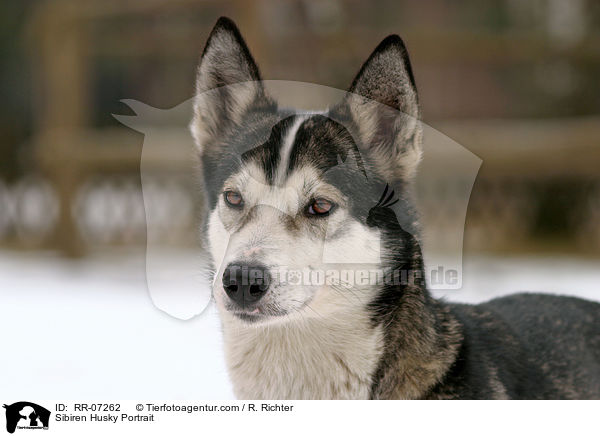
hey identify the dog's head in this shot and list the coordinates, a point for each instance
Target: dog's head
(297, 201)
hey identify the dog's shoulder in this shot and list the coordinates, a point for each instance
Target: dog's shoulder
(526, 346)
(542, 320)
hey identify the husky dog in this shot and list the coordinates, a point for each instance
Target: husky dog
(282, 186)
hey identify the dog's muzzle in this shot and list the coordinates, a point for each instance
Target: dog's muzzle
(246, 284)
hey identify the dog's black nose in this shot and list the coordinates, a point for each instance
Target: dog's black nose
(246, 284)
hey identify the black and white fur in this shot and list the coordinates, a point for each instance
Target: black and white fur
(359, 341)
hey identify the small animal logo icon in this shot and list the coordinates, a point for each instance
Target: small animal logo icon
(26, 415)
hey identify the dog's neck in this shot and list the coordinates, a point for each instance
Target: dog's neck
(347, 356)
(422, 338)
(420, 345)
(333, 358)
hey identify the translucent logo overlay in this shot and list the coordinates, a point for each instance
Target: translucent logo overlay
(180, 280)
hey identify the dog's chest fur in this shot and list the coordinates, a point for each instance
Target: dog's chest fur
(311, 359)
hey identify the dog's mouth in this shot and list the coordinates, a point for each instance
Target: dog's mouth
(254, 314)
(249, 315)
(264, 310)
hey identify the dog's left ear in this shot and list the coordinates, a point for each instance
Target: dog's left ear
(228, 84)
(382, 103)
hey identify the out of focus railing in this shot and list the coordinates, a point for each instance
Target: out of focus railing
(508, 207)
(539, 178)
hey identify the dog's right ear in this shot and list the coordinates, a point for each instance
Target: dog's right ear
(228, 84)
(382, 101)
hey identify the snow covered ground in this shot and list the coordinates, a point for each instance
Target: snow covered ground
(87, 329)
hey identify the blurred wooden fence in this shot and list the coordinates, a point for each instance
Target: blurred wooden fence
(75, 156)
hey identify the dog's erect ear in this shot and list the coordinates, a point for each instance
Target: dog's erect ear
(383, 104)
(228, 83)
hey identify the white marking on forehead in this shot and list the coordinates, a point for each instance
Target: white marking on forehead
(286, 149)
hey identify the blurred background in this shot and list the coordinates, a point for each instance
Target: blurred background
(514, 81)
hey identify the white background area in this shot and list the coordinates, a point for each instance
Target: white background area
(88, 330)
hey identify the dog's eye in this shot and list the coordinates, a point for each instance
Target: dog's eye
(319, 207)
(233, 199)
